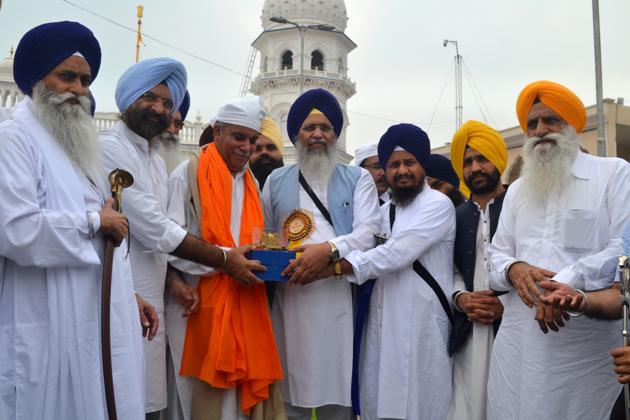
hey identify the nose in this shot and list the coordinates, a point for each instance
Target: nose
(475, 166)
(77, 88)
(172, 129)
(541, 129)
(158, 107)
(318, 133)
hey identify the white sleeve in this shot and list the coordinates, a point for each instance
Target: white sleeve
(502, 250)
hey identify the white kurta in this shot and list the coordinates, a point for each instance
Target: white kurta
(153, 235)
(406, 370)
(314, 323)
(181, 212)
(50, 355)
(565, 374)
(471, 362)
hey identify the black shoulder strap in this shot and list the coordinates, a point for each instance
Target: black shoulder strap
(424, 273)
(315, 198)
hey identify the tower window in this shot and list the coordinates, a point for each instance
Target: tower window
(317, 61)
(287, 60)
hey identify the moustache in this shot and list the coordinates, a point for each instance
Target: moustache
(404, 176)
(317, 141)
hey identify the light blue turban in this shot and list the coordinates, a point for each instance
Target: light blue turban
(143, 76)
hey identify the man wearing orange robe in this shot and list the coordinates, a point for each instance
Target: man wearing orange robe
(229, 347)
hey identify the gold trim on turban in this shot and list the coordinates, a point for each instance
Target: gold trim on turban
(557, 97)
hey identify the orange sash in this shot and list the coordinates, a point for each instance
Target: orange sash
(229, 341)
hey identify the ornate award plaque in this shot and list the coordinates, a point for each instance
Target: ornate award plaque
(298, 226)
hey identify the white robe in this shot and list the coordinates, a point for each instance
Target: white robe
(565, 374)
(314, 323)
(180, 211)
(405, 367)
(50, 355)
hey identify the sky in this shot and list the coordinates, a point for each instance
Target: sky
(401, 69)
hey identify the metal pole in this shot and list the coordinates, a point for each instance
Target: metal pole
(602, 144)
(302, 30)
(139, 37)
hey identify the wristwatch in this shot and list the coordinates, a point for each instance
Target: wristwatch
(334, 252)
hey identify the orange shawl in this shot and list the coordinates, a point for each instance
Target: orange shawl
(229, 341)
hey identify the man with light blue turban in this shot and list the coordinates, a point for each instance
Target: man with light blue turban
(147, 95)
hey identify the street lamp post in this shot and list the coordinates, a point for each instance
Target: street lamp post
(302, 30)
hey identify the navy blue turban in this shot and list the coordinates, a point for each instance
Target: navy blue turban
(46, 46)
(440, 167)
(145, 75)
(305, 103)
(185, 106)
(410, 138)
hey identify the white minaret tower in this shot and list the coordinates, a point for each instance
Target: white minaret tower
(303, 46)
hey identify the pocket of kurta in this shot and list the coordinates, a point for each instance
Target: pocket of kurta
(578, 230)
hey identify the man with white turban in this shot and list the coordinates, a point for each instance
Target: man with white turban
(215, 197)
(147, 95)
(367, 157)
(479, 157)
(54, 214)
(563, 221)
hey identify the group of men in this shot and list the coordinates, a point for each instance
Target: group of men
(405, 301)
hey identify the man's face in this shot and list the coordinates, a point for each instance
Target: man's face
(266, 152)
(72, 75)
(150, 114)
(316, 133)
(235, 144)
(373, 166)
(405, 175)
(541, 121)
(176, 124)
(480, 175)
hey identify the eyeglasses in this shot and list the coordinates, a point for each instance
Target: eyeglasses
(178, 124)
(374, 166)
(153, 98)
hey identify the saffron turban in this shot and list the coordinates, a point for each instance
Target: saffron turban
(364, 152)
(145, 75)
(408, 137)
(319, 99)
(440, 168)
(270, 130)
(246, 112)
(555, 96)
(484, 139)
(185, 106)
(46, 46)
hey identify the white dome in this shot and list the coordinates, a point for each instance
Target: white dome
(6, 69)
(327, 12)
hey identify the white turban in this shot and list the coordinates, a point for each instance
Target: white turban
(246, 112)
(365, 152)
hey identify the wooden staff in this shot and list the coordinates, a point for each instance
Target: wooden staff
(118, 180)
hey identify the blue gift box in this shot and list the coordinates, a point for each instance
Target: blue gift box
(275, 261)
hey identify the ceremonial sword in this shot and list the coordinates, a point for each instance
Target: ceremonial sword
(624, 278)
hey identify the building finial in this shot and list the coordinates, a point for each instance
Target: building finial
(11, 53)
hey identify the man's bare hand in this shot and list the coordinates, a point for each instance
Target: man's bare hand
(148, 318)
(113, 224)
(305, 268)
(621, 359)
(242, 269)
(562, 296)
(185, 295)
(549, 317)
(524, 278)
(481, 306)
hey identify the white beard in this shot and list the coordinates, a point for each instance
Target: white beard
(169, 150)
(71, 125)
(317, 167)
(548, 165)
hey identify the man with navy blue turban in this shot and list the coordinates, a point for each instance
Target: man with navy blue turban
(54, 214)
(147, 95)
(406, 370)
(442, 177)
(342, 203)
(170, 140)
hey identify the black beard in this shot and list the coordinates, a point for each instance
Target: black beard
(405, 195)
(263, 167)
(492, 181)
(140, 122)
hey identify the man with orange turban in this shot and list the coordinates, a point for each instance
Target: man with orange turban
(479, 156)
(229, 348)
(563, 221)
(267, 154)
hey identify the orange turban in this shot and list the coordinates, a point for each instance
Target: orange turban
(557, 97)
(484, 139)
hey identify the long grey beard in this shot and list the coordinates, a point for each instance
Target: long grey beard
(71, 125)
(169, 150)
(547, 166)
(317, 167)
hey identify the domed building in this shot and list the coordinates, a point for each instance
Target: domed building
(10, 94)
(303, 46)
